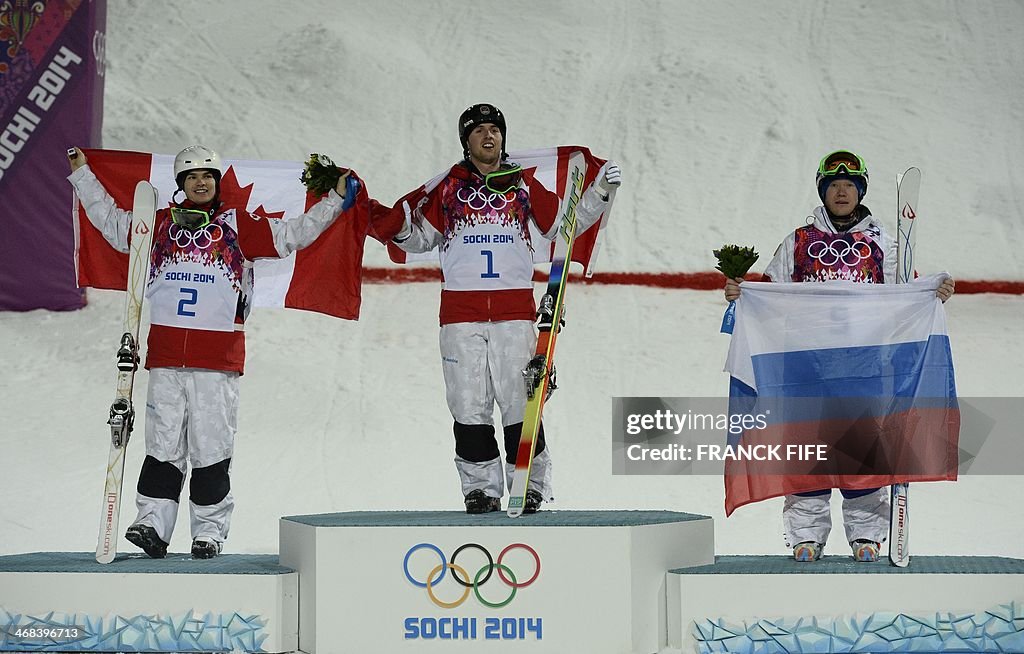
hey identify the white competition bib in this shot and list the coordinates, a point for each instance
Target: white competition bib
(487, 257)
(198, 275)
(188, 294)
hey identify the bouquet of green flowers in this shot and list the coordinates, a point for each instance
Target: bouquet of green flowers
(734, 261)
(320, 174)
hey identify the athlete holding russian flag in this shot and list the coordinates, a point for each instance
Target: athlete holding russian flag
(843, 241)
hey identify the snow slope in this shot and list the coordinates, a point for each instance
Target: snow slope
(718, 113)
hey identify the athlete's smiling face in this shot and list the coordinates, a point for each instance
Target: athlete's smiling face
(200, 186)
(485, 147)
(841, 197)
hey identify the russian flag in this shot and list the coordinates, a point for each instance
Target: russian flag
(325, 277)
(850, 385)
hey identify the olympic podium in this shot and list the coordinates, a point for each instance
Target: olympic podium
(555, 581)
(66, 601)
(612, 582)
(774, 605)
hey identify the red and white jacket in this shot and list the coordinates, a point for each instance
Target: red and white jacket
(200, 282)
(484, 242)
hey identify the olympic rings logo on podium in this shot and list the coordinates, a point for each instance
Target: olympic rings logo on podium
(462, 578)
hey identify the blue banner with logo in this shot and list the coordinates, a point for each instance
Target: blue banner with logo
(52, 55)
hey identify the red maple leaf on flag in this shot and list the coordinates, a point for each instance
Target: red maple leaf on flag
(233, 194)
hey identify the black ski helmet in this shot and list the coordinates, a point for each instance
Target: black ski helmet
(479, 114)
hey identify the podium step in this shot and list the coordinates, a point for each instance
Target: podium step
(775, 605)
(66, 601)
(555, 581)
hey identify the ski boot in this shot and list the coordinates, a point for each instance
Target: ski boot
(532, 502)
(865, 551)
(807, 551)
(145, 537)
(478, 502)
(205, 548)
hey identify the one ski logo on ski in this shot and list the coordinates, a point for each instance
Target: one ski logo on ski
(901, 515)
(569, 217)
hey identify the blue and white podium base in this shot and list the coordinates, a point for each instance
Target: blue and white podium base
(61, 601)
(774, 605)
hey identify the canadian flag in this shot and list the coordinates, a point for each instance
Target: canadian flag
(550, 167)
(325, 277)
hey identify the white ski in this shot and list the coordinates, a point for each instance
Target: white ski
(122, 412)
(908, 188)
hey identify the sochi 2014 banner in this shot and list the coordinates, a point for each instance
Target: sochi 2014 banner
(853, 383)
(325, 277)
(51, 97)
(550, 167)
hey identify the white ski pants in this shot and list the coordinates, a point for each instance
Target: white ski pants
(809, 517)
(191, 418)
(482, 363)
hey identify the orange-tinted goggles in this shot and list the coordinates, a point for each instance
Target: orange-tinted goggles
(842, 161)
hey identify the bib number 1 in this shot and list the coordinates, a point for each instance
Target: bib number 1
(489, 273)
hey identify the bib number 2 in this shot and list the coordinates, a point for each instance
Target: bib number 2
(190, 299)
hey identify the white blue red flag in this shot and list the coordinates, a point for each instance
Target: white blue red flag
(851, 384)
(325, 277)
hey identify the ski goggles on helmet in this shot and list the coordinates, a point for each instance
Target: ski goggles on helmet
(504, 180)
(190, 219)
(842, 161)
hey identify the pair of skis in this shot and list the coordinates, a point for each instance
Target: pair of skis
(908, 187)
(122, 411)
(539, 373)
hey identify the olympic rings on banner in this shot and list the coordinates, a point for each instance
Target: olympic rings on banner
(482, 576)
(829, 255)
(201, 238)
(478, 199)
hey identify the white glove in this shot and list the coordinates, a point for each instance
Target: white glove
(610, 180)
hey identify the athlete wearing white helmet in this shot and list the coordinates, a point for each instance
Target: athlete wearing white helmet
(843, 241)
(199, 296)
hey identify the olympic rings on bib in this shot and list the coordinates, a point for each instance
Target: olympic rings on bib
(477, 199)
(201, 238)
(829, 253)
(474, 583)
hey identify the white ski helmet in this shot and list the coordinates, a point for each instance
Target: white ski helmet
(196, 157)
